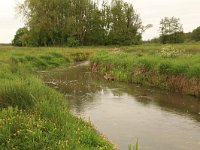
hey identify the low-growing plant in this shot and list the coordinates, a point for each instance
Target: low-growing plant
(171, 52)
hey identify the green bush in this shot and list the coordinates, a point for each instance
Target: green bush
(72, 42)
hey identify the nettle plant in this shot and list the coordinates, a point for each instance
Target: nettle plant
(170, 52)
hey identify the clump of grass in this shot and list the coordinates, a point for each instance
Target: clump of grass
(79, 56)
(134, 147)
(49, 60)
(16, 94)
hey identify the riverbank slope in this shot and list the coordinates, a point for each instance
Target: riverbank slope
(170, 68)
(35, 116)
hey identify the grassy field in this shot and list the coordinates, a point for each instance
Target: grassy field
(34, 116)
(173, 67)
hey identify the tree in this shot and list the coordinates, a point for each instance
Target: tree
(171, 30)
(188, 37)
(21, 37)
(196, 34)
(80, 22)
(125, 24)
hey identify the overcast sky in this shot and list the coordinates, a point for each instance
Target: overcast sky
(151, 12)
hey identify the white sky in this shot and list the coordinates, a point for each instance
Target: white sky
(151, 12)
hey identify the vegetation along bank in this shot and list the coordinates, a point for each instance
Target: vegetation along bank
(169, 67)
(33, 115)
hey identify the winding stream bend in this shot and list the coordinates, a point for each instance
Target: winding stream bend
(126, 112)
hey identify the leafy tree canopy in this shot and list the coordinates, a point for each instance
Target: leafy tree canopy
(171, 30)
(195, 35)
(79, 22)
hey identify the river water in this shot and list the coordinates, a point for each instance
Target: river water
(124, 112)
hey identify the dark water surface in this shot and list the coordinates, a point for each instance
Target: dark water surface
(160, 120)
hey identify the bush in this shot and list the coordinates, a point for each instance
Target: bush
(72, 42)
(177, 37)
(21, 38)
(196, 34)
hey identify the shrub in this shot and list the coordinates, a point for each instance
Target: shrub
(72, 42)
(196, 34)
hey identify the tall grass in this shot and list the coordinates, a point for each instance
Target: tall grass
(134, 147)
(180, 72)
(188, 65)
(34, 116)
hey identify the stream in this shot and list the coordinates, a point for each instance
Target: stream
(124, 112)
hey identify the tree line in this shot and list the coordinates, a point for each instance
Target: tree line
(89, 22)
(78, 22)
(171, 31)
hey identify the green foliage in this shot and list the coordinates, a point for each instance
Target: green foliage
(47, 125)
(196, 34)
(177, 37)
(177, 71)
(136, 147)
(188, 37)
(21, 38)
(34, 116)
(165, 68)
(79, 22)
(16, 94)
(49, 60)
(177, 63)
(125, 25)
(72, 42)
(171, 30)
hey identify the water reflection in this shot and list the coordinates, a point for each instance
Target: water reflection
(125, 112)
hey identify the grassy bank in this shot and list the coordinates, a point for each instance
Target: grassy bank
(169, 68)
(34, 116)
(191, 48)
